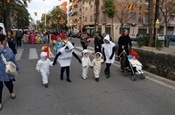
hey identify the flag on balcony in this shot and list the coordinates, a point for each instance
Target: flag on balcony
(143, 8)
(118, 6)
(131, 6)
(8, 1)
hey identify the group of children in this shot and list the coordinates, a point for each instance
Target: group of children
(64, 55)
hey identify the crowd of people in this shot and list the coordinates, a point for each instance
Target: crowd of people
(104, 49)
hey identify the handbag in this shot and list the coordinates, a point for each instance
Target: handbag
(10, 67)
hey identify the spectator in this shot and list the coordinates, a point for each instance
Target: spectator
(84, 39)
(19, 36)
(11, 41)
(4, 77)
(98, 41)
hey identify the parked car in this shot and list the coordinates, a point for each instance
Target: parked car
(133, 37)
(171, 38)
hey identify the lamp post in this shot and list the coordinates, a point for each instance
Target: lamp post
(157, 26)
(133, 25)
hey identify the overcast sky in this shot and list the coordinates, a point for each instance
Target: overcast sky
(40, 6)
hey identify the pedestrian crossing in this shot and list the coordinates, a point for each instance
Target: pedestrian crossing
(34, 54)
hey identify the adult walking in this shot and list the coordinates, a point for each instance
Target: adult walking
(124, 43)
(98, 41)
(4, 77)
(84, 39)
(19, 36)
(11, 41)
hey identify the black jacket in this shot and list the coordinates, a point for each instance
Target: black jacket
(124, 41)
(12, 44)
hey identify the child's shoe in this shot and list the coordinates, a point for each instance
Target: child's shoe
(68, 80)
(108, 76)
(97, 79)
(46, 85)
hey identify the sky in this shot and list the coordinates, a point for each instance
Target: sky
(41, 6)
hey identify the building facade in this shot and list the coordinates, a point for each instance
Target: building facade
(131, 15)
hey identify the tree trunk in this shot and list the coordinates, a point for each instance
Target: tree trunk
(156, 16)
(112, 29)
(96, 15)
(150, 22)
(121, 28)
(166, 43)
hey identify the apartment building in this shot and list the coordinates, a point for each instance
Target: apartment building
(131, 14)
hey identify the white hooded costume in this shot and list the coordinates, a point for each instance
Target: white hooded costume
(66, 54)
(108, 49)
(85, 64)
(96, 64)
(43, 66)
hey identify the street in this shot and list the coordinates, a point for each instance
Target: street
(117, 95)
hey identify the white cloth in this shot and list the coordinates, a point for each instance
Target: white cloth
(135, 63)
(66, 54)
(43, 66)
(85, 66)
(96, 64)
(108, 48)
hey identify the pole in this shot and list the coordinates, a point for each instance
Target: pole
(45, 17)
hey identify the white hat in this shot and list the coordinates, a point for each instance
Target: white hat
(107, 38)
(43, 55)
(85, 51)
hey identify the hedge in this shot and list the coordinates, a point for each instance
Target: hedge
(159, 64)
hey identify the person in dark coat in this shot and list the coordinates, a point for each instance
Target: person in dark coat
(19, 35)
(11, 41)
(124, 43)
(84, 38)
(98, 41)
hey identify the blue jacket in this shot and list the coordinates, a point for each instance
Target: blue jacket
(9, 55)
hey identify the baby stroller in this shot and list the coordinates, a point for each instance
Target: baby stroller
(130, 64)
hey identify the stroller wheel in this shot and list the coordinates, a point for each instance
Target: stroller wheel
(142, 76)
(124, 73)
(133, 78)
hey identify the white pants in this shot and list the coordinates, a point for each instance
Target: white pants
(44, 77)
(97, 72)
(85, 72)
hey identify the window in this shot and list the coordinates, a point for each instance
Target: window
(91, 7)
(85, 19)
(91, 18)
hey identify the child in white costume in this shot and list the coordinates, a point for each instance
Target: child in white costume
(108, 49)
(85, 63)
(96, 64)
(64, 57)
(42, 66)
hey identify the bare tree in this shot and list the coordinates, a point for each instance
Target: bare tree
(167, 9)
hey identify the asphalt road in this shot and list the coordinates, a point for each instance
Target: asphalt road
(117, 95)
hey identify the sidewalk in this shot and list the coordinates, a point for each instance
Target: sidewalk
(164, 50)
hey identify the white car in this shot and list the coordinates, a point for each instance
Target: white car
(2, 25)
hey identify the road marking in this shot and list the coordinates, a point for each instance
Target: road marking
(19, 54)
(89, 49)
(33, 54)
(78, 52)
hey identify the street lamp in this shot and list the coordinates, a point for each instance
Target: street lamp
(157, 26)
(133, 25)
